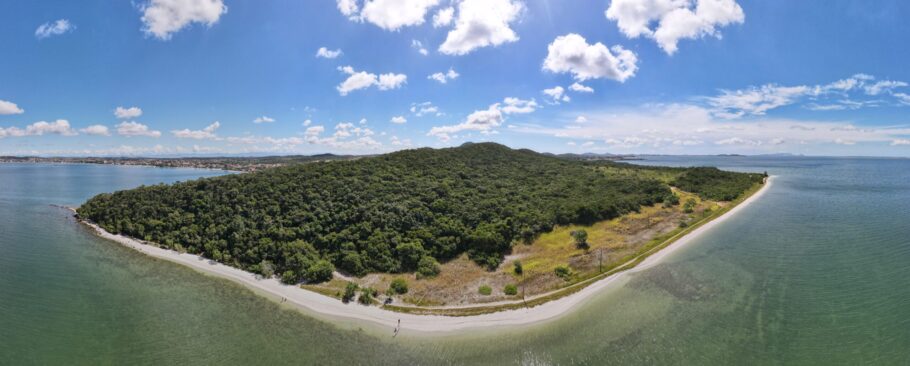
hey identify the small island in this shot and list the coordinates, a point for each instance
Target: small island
(463, 231)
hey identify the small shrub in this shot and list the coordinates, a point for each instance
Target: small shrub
(485, 290)
(510, 290)
(683, 224)
(689, 207)
(563, 272)
(290, 277)
(266, 269)
(671, 200)
(399, 286)
(320, 271)
(581, 239)
(349, 291)
(366, 295)
(519, 270)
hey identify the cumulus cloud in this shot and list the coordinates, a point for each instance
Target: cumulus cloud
(53, 28)
(132, 128)
(263, 119)
(96, 130)
(7, 107)
(327, 53)
(580, 88)
(443, 78)
(571, 53)
(557, 94)
(361, 80)
(58, 127)
(163, 18)
(390, 15)
(668, 21)
(482, 23)
(347, 136)
(443, 17)
(203, 134)
(518, 106)
(399, 120)
(483, 121)
(127, 113)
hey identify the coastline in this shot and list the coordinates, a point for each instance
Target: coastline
(318, 304)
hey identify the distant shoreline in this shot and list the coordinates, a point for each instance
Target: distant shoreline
(438, 324)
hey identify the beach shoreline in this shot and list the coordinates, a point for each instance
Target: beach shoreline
(321, 305)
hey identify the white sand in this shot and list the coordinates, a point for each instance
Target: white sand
(324, 305)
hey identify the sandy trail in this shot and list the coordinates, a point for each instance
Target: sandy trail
(324, 305)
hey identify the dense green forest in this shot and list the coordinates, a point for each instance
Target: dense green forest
(398, 212)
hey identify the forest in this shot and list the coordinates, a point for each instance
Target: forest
(399, 212)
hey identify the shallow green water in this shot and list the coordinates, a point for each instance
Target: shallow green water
(816, 272)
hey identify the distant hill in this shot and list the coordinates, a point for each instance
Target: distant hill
(398, 212)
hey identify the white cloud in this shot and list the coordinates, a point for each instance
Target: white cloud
(675, 19)
(415, 44)
(900, 142)
(314, 131)
(395, 141)
(571, 53)
(327, 53)
(390, 15)
(482, 23)
(399, 120)
(425, 108)
(518, 106)
(667, 127)
(443, 78)
(576, 87)
(58, 127)
(163, 18)
(131, 128)
(581, 119)
(755, 101)
(361, 80)
(53, 28)
(483, 121)
(346, 137)
(903, 98)
(9, 108)
(127, 113)
(557, 94)
(307, 123)
(205, 133)
(363, 121)
(883, 87)
(96, 130)
(443, 17)
(263, 119)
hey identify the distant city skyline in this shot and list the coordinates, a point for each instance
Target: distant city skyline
(244, 77)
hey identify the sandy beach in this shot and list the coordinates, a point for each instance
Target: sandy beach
(318, 304)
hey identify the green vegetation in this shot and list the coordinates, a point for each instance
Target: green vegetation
(518, 268)
(400, 212)
(715, 184)
(399, 286)
(689, 207)
(510, 290)
(367, 294)
(350, 290)
(563, 272)
(581, 238)
(485, 290)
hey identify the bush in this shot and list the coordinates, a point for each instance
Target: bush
(563, 272)
(290, 277)
(399, 286)
(266, 269)
(428, 267)
(581, 239)
(689, 207)
(671, 200)
(485, 290)
(349, 291)
(366, 295)
(519, 270)
(510, 290)
(320, 271)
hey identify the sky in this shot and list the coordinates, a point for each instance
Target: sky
(255, 77)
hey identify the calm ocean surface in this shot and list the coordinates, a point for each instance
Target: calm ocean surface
(816, 272)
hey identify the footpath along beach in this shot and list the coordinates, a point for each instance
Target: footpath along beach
(311, 302)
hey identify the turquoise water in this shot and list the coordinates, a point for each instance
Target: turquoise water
(816, 272)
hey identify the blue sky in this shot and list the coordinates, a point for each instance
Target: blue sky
(187, 77)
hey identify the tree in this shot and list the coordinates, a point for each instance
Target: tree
(519, 270)
(399, 286)
(366, 295)
(266, 269)
(689, 207)
(320, 271)
(563, 272)
(428, 267)
(581, 238)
